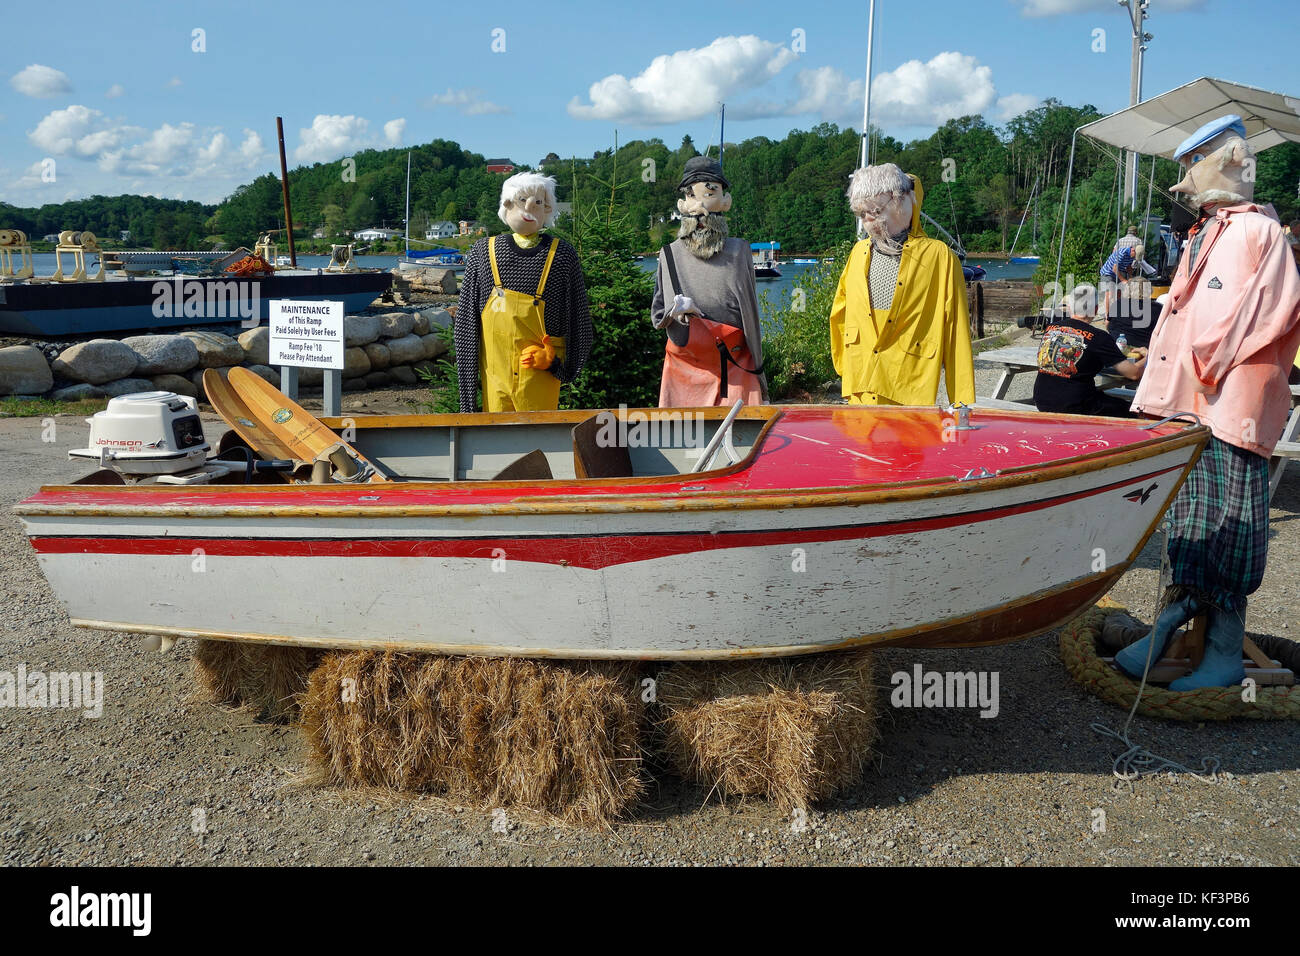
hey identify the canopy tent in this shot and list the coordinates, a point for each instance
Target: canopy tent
(1156, 127)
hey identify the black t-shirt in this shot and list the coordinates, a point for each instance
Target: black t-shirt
(1135, 319)
(1071, 353)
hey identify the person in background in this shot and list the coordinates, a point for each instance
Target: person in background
(1072, 352)
(1118, 267)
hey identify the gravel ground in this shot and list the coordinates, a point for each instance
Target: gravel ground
(947, 787)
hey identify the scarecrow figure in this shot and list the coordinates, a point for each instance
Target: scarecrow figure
(1227, 335)
(705, 298)
(522, 324)
(900, 310)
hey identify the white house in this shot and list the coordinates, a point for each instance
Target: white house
(441, 230)
(375, 233)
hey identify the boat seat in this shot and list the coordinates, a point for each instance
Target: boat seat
(530, 467)
(593, 460)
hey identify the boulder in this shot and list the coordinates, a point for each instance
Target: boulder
(77, 393)
(310, 377)
(97, 361)
(172, 382)
(405, 350)
(215, 350)
(256, 344)
(355, 363)
(23, 370)
(393, 325)
(127, 386)
(379, 355)
(163, 354)
(354, 385)
(434, 345)
(360, 330)
(420, 325)
(377, 379)
(403, 375)
(271, 375)
(438, 317)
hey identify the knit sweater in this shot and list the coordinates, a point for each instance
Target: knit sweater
(565, 296)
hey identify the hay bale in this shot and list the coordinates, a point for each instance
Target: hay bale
(262, 677)
(556, 737)
(792, 730)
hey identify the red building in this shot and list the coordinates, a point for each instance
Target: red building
(500, 166)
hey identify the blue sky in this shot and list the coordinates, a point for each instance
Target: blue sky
(119, 99)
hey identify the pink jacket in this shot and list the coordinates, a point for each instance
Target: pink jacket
(1229, 332)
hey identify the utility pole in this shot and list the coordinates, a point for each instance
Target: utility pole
(1137, 17)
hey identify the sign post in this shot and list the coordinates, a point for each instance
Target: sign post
(309, 335)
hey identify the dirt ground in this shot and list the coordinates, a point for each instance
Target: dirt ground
(161, 778)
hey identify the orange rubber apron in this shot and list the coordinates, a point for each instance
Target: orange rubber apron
(512, 321)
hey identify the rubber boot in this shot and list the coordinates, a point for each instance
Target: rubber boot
(1132, 660)
(1221, 666)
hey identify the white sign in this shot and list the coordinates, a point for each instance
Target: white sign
(306, 334)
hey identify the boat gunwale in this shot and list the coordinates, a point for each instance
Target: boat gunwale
(718, 499)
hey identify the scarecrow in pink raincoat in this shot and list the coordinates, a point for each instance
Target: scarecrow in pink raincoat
(1226, 340)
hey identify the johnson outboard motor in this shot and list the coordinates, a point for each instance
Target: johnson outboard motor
(147, 433)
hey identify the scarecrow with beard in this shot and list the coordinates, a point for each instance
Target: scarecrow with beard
(900, 313)
(1227, 335)
(705, 298)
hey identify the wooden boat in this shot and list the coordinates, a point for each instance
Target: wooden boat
(834, 527)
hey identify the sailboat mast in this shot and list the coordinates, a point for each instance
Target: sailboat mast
(866, 107)
(722, 133)
(408, 201)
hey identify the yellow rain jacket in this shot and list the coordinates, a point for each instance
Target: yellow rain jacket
(894, 356)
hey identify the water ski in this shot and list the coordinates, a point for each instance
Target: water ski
(303, 435)
(240, 418)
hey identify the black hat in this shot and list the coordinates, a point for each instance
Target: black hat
(703, 169)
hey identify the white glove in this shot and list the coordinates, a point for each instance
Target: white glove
(683, 308)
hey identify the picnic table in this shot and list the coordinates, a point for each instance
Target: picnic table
(1017, 359)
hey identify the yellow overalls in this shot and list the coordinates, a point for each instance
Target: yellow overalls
(512, 321)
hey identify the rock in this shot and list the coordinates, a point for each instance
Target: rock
(272, 375)
(439, 318)
(442, 281)
(127, 386)
(163, 354)
(256, 344)
(434, 345)
(420, 325)
(215, 350)
(379, 355)
(403, 375)
(23, 369)
(77, 393)
(97, 361)
(355, 363)
(175, 383)
(405, 350)
(393, 325)
(310, 377)
(377, 379)
(354, 385)
(360, 330)
(424, 368)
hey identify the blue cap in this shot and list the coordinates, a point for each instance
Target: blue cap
(1210, 130)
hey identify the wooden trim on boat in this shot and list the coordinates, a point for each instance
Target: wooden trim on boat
(646, 502)
(1039, 612)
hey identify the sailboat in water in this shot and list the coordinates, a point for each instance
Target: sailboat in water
(435, 258)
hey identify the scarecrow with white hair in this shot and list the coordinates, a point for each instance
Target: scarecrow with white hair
(900, 312)
(522, 324)
(705, 298)
(1227, 336)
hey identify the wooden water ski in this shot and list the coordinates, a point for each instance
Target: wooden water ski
(227, 403)
(300, 432)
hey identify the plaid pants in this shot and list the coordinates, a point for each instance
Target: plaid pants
(1219, 543)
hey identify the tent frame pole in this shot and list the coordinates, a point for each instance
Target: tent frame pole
(1065, 213)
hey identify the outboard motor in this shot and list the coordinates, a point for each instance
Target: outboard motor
(147, 433)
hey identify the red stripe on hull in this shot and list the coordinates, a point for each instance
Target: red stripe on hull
(592, 551)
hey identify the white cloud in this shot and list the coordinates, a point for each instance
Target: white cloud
(41, 82)
(330, 137)
(1013, 104)
(59, 131)
(929, 94)
(1052, 8)
(469, 101)
(114, 91)
(174, 82)
(393, 131)
(251, 148)
(687, 84)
